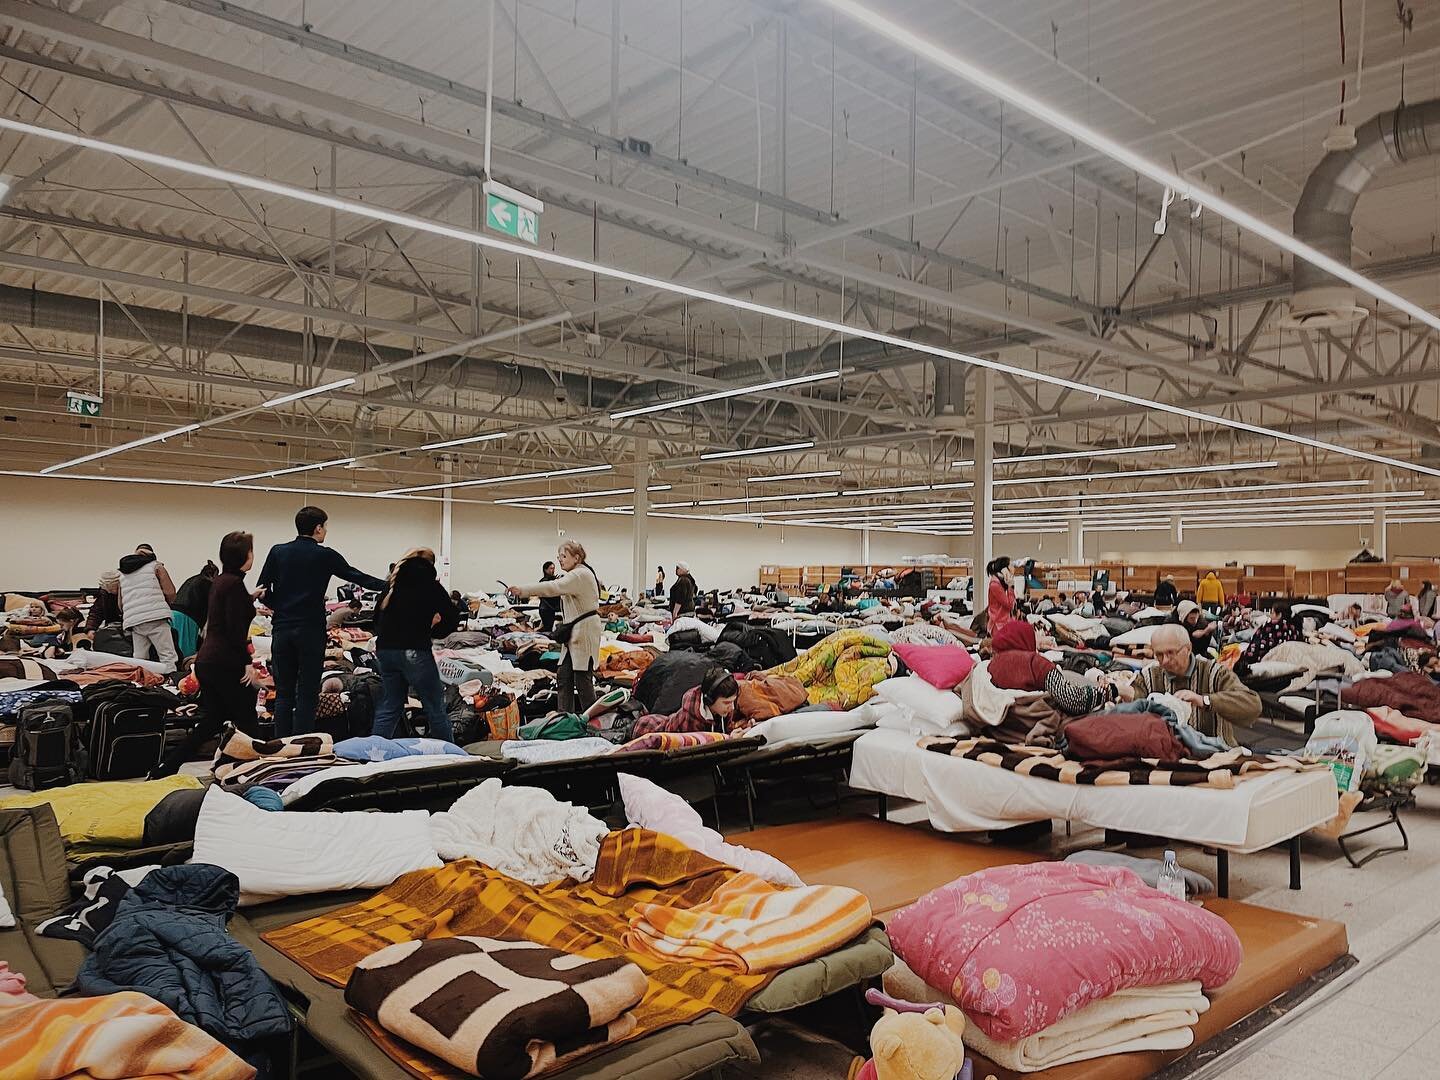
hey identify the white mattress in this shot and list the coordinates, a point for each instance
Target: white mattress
(967, 796)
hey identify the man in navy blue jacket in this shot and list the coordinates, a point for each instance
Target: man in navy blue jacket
(295, 578)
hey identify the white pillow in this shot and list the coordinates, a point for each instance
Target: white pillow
(292, 853)
(7, 917)
(1336, 632)
(885, 714)
(1275, 669)
(932, 711)
(1139, 636)
(805, 727)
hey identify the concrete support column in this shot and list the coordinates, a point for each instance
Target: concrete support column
(865, 546)
(447, 520)
(983, 493)
(1075, 541)
(1380, 543)
(1177, 530)
(640, 538)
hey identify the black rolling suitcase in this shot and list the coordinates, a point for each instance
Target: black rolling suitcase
(127, 739)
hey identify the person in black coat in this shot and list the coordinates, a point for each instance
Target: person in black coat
(414, 609)
(549, 605)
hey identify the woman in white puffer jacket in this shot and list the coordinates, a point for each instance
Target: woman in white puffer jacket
(146, 593)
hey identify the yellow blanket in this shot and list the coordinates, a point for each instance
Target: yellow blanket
(101, 818)
(122, 1035)
(751, 926)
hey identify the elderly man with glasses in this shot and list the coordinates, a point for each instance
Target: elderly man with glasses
(1215, 693)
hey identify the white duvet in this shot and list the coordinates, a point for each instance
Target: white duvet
(290, 853)
(523, 832)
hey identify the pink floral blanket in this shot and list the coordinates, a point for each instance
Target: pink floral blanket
(1022, 947)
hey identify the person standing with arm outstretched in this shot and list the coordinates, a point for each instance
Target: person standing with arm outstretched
(295, 578)
(578, 588)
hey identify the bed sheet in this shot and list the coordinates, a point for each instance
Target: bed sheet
(968, 796)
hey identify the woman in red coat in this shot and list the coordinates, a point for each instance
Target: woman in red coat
(1000, 598)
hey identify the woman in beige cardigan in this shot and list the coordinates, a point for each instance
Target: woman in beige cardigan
(579, 590)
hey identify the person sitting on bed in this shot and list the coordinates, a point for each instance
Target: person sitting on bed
(703, 708)
(1016, 665)
(1281, 628)
(1197, 625)
(1215, 693)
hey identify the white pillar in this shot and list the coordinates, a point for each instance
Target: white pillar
(983, 382)
(640, 538)
(1075, 549)
(865, 546)
(447, 510)
(1380, 545)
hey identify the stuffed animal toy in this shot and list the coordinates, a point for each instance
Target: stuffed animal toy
(915, 1042)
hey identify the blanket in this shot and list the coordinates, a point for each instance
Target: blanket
(168, 940)
(670, 740)
(466, 898)
(276, 773)
(15, 668)
(1315, 660)
(115, 1036)
(12, 701)
(501, 1010)
(236, 746)
(101, 891)
(764, 696)
(131, 673)
(841, 670)
(750, 926)
(523, 832)
(1022, 948)
(102, 818)
(1411, 693)
(1217, 771)
(984, 703)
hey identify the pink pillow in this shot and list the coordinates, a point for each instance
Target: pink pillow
(1020, 948)
(942, 666)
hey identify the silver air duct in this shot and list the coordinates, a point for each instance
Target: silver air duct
(1324, 214)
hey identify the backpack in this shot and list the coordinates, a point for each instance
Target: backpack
(47, 748)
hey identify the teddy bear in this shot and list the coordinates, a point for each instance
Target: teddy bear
(915, 1042)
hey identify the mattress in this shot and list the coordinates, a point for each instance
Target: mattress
(968, 796)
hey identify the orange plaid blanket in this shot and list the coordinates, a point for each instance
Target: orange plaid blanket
(635, 867)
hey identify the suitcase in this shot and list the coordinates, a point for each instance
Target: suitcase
(126, 740)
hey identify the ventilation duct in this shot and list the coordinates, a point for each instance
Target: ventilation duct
(1325, 213)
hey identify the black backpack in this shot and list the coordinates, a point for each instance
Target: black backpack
(47, 750)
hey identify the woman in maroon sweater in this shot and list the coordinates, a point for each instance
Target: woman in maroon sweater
(222, 666)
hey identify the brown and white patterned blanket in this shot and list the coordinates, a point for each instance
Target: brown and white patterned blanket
(501, 1010)
(1217, 771)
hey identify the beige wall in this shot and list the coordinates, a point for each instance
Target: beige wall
(63, 533)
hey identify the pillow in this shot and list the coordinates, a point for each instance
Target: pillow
(1275, 669)
(295, 853)
(1336, 632)
(1139, 636)
(377, 748)
(991, 938)
(942, 666)
(806, 727)
(649, 806)
(931, 711)
(885, 714)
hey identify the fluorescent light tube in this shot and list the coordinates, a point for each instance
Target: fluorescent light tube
(1239, 466)
(286, 472)
(1121, 153)
(887, 490)
(285, 399)
(1071, 454)
(792, 476)
(146, 441)
(501, 479)
(577, 495)
(717, 395)
(585, 266)
(782, 448)
(767, 498)
(469, 439)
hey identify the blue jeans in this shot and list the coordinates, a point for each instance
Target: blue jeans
(402, 670)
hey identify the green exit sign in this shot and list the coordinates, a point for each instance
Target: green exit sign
(81, 404)
(512, 219)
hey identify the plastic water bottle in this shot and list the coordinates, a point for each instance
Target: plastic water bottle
(1172, 881)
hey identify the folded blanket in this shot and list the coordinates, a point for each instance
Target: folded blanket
(501, 1010)
(236, 746)
(101, 892)
(671, 740)
(634, 867)
(116, 1036)
(1129, 1021)
(750, 926)
(523, 832)
(276, 773)
(105, 817)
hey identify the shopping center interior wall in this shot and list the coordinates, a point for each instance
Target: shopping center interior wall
(63, 533)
